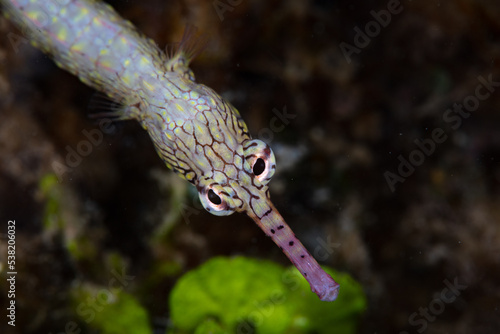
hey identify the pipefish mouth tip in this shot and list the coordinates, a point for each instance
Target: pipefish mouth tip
(330, 294)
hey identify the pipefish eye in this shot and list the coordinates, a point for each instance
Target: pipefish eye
(260, 158)
(259, 167)
(215, 200)
(213, 197)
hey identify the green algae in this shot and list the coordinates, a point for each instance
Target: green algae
(244, 295)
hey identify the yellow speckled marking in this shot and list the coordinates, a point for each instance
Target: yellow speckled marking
(148, 85)
(97, 22)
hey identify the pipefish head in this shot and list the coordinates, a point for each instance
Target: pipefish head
(204, 139)
(221, 194)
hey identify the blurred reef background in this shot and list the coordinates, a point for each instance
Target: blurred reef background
(379, 172)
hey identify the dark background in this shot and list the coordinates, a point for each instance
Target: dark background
(352, 122)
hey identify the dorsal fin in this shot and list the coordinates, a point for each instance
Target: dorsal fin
(181, 54)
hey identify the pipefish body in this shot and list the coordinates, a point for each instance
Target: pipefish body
(196, 132)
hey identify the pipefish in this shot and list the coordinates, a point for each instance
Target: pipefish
(198, 134)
